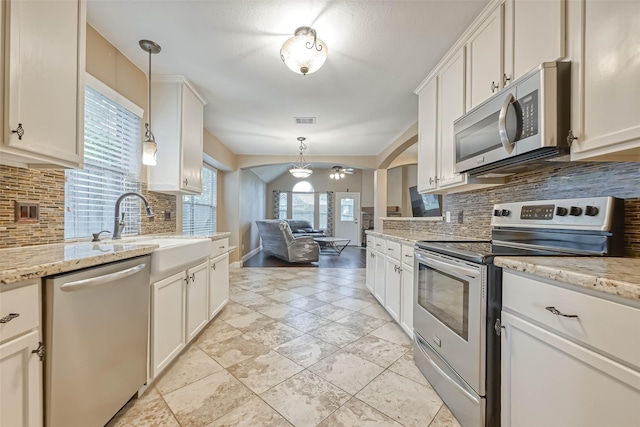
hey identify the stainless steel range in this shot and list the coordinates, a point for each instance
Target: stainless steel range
(457, 292)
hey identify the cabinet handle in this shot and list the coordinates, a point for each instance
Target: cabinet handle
(571, 138)
(19, 131)
(40, 351)
(213, 267)
(494, 87)
(9, 317)
(408, 256)
(193, 277)
(221, 247)
(186, 181)
(430, 181)
(498, 327)
(557, 312)
(186, 279)
(505, 79)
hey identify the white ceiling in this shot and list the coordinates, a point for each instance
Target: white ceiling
(378, 53)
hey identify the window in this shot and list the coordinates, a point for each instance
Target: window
(323, 209)
(199, 211)
(303, 187)
(112, 163)
(282, 205)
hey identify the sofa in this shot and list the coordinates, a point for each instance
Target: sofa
(302, 227)
(279, 241)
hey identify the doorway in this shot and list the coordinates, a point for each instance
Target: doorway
(347, 218)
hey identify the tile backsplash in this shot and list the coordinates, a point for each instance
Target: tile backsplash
(46, 186)
(562, 181)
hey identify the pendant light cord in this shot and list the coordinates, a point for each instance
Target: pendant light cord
(149, 92)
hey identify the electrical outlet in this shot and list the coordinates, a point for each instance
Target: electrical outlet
(447, 216)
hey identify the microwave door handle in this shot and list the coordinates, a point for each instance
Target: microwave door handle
(502, 124)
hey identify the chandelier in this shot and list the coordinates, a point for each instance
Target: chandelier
(300, 169)
(305, 52)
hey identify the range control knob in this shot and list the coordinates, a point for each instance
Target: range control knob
(497, 212)
(505, 212)
(575, 211)
(591, 211)
(560, 211)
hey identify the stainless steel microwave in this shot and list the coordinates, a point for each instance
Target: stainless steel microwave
(512, 131)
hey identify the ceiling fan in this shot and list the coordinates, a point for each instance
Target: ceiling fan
(338, 172)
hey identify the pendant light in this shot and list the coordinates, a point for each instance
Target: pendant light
(300, 169)
(149, 146)
(305, 52)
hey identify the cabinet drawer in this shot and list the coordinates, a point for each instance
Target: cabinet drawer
(393, 250)
(218, 247)
(407, 255)
(602, 324)
(380, 244)
(23, 301)
(371, 241)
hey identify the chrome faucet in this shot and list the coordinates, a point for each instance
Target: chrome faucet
(118, 224)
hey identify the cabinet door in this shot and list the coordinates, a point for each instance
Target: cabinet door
(197, 299)
(168, 321)
(21, 385)
(378, 289)
(192, 128)
(392, 288)
(45, 51)
(605, 85)
(428, 137)
(451, 101)
(406, 309)
(574, 385)
(218, 284)
(371, 270)
(484, 56)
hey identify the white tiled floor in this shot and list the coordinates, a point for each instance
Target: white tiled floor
(294, 346)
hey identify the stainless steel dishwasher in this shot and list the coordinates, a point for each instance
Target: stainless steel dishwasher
(96, 323)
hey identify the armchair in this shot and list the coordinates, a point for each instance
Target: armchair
(277, 240)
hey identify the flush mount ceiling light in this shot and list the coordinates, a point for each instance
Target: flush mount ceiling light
(149, 146)
(305, 52)
(338, 172)
(300, 169)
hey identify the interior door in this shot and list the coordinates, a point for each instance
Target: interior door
(347, 217)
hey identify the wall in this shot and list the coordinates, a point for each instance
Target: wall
(471, 211)
(401, 178)
(253, 196)
(230, 199)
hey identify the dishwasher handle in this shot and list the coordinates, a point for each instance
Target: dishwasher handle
(101, 280)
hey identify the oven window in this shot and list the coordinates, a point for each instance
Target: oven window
(446, 297)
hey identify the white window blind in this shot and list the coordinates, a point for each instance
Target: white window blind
(112, 159)
(199, 211)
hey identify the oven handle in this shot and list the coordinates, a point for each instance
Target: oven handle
(447, 266)
(463, 387)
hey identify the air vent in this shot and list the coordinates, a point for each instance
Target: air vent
(305, 120)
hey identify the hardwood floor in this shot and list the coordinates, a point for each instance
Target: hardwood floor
(351, 257)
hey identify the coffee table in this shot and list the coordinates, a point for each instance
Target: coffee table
(336, 244)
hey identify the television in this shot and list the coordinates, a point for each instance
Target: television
(425, 205)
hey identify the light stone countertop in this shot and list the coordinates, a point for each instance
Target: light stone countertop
(411, 237)
(31, 262)
(614, 276)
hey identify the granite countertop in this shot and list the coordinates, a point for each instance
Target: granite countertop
(30, 262)
(411, 237)
(614, 276)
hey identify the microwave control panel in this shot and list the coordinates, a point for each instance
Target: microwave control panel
(529, 111)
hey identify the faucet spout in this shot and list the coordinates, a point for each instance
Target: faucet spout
(118, 224)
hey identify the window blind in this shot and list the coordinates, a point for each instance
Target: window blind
(112, 164)
(199, 211)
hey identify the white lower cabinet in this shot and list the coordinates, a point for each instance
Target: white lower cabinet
(393, 276)
(218, 284)
(197, 299)
(379, 277)
(406, 304)
(370, 269)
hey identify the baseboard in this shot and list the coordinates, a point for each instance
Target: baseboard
(247, 256)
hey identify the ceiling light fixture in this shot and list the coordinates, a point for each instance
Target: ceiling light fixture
(336, 172)
(305, 52)
(149, 146)
(300, 169)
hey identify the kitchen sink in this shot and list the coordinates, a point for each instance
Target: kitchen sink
(173, 254)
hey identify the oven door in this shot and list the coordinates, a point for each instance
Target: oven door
(450, 313)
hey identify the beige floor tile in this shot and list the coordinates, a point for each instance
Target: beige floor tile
(280, 311)
(232, 310)
(336, 334)
(444, 419)
(305, 291)
(234, 350)
(208, 399)
(263, 372)
(306, 350)
(254, 413)
(267, 291)
(403, 400)
(352, 303)
(242, 297)
(306, 303)
(250, 322)
(192, 365)
(285, 296)
(406, 367)
(274, 334)
(328, 296)
(260, 304)
(376, 310)
(376, 350)
(347, 371)
(305, 399)
(323, 283)
(357, 413)
(215, 332)
(361, 322)
(331, 312)
(392, 332)
(306, 322)
(148, 411)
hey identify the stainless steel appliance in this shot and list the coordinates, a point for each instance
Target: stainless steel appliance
(525, 122)
(96, 334)
(457, 293)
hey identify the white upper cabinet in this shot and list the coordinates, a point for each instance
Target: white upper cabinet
(44, 54)
(484, 59)
(605, 53)
(177, 122)
(428, 136)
